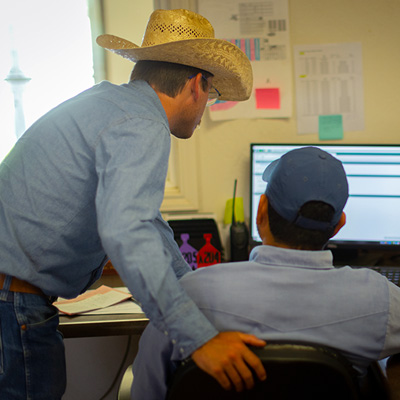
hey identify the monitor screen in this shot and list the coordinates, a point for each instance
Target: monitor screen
(373, 207)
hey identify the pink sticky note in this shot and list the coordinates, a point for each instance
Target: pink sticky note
(268, 98)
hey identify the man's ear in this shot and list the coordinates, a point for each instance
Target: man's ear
(262, 212)
(340, 224)
(195, 86)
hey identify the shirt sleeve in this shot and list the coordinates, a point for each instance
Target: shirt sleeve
(180, 266)
(131, 164)
(392, 341)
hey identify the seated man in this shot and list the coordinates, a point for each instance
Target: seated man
(289, 290)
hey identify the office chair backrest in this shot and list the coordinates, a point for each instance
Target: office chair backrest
(294, 371)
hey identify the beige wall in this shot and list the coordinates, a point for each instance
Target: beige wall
(223, 147)
(127, 19)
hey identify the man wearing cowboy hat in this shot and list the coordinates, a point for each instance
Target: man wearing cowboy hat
(86, 182)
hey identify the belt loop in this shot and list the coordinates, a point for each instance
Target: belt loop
(6, 287)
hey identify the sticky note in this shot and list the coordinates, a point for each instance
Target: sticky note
(330, 127)
(268, 98)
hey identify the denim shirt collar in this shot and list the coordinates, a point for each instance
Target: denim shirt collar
(148, 91)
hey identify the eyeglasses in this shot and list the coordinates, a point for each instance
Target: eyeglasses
(213, 93)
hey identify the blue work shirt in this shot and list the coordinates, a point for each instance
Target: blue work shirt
(85, 181)
(284, 294)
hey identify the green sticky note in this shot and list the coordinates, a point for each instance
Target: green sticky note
(330, 127)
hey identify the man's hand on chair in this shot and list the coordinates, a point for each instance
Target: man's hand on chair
(227, 358)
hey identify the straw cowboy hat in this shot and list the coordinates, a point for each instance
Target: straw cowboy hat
(184, 37)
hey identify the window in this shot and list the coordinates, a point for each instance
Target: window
(46, 58)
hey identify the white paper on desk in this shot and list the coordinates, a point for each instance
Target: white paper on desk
(100, 298)
(126, 307)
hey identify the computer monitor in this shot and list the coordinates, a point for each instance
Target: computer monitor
(373, 207)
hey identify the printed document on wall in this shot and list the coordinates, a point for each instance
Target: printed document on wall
(329, 82)
(261, 30)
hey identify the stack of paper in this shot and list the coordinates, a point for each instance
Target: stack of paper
(104, 300)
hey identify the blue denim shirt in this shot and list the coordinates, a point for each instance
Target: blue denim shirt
(86, 180)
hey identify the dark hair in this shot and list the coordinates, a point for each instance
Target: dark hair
(300, 238)
(167, 78)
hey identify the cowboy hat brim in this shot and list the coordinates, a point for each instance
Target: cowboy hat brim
(231, 68)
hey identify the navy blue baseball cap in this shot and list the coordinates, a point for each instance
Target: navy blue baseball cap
(303, 175)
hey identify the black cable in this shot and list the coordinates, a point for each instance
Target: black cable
(119, 369)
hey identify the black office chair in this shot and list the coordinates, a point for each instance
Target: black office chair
(294, 371)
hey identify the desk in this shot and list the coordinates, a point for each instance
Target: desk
(80, 326)
(102, 325)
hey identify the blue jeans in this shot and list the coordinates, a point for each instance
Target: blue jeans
(32, 357)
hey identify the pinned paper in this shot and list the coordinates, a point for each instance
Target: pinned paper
(330, 127)
(268, 98)
(239, 211)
